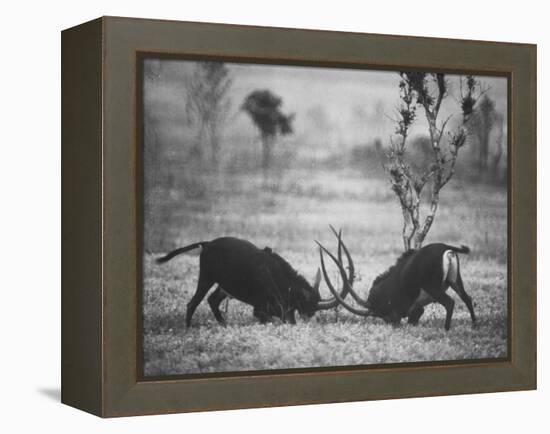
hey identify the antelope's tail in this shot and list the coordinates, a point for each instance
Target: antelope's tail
(179, 251)
(461, 249)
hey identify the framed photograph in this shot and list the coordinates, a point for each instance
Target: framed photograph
(260, 217)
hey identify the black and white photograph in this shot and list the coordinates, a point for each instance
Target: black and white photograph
(312, 216)
(248, 217)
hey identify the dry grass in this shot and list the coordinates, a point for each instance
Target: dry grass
(289, 215)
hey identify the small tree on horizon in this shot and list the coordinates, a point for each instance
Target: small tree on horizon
(208, 104)
(487, 120)
(264, 108)
(425, 92)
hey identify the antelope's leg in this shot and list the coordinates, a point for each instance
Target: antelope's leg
(437, 291)
(261, 315)
(415, 314)
(458, 287)
(214, 300)
(417, 309)
(272, 303)
(449, 304)
(202, 288)
(290, 317)
(393, 318)
(451, 270)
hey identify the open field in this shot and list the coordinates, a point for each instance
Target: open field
(289, 215)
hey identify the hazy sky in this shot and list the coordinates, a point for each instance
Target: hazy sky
(336, 88)
(333, 107)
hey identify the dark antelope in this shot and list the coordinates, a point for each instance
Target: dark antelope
(418, 278)
(258, 277)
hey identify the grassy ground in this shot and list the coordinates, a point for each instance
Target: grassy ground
(289, 215)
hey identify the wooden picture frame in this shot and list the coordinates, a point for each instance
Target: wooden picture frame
(101, 220)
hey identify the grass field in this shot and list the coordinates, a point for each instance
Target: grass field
(289, 214)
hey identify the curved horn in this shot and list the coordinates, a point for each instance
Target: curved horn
(351, 266)
(360, 312)
(351, 273)
(339, 237)
(317, 281)
(330, 303)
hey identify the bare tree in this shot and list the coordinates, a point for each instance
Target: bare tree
(208, 104)
(499, 146)
(159, 179)
(482, 123)
(264, 108)
(425, 92)
(487, 126)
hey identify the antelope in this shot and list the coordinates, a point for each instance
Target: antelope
(418, 278)
(258, 277)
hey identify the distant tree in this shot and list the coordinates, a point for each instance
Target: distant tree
(158, 177)
(208, 104)
(487, 126)
(264, 108)
(499, 146)
(482, 123)
(155, 148)
(426, 92)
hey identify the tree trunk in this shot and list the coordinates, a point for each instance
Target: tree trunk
(407, 232)
(214, 148)
(483, 138)
(197, 150)
(267, 145)
(498, 151)
(483, 151)
(421, 234)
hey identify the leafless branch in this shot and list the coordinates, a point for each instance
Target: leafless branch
(407, 185)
